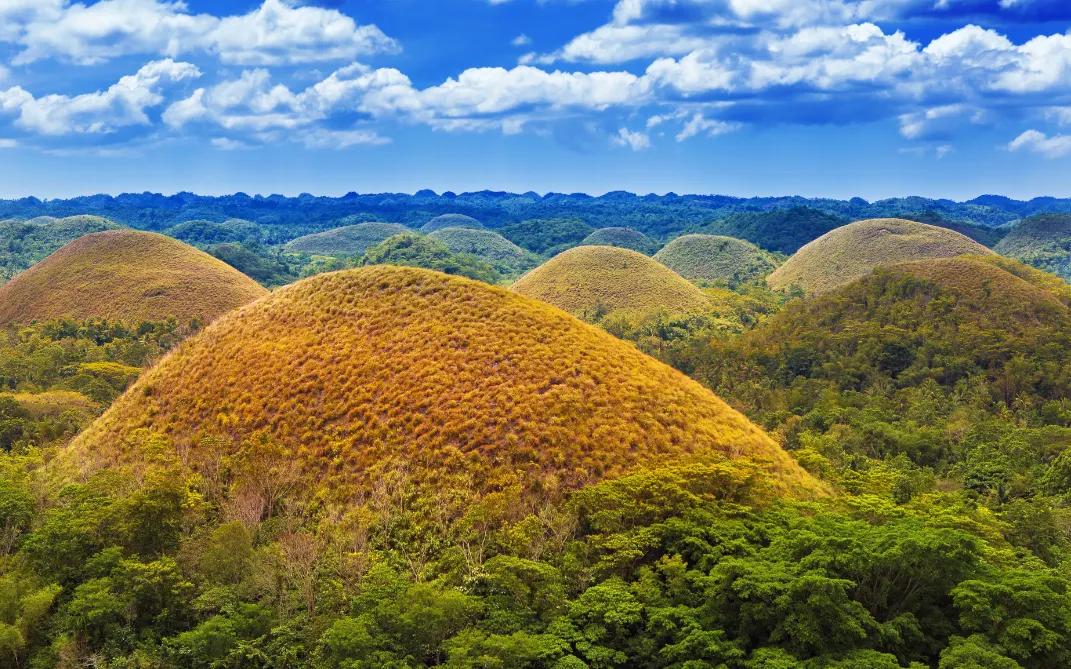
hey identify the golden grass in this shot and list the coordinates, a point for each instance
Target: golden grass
(854, 250)
(363, 370)
(625, 238)
(351, 239)
(126, 275)
(484, 244)
(55, 403)
(715, 258)
(589, 279)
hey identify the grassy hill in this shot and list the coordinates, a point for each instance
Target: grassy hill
(126, 275)
(1042, 241)
(490, 247)
(588, 281)
(451, 221)
(359, 372)
(22, 244)
(625, 238)
(715, 258)
(851, 251)
(351, 239)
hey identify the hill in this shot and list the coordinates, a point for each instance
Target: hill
(25, 243)
(715, 258)
(784, 230)
(851, 251)
(358, 372)
(413, 250)
(205, 233)
(451, 221)
(1042, 241)
(351, 239)
(126, 275)
(590, 280)
(490, 247)
(625, 238)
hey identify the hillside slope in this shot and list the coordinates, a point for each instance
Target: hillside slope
(1042, 241)
(24, 244)
(591, 279)
(351, 239)
(851, 251)
(363, 371)
(490, 247)
(715, 258)
(126, 275)
(451, 221)
(625, 238)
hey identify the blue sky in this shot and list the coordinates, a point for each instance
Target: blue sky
(837, 98)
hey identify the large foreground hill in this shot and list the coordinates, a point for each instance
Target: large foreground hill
(362, 371)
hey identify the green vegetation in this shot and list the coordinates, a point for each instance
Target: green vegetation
(591, 281)
(547, 237)
(625, 238)
(714, 258)
(206, 233)
(25, 244)
(127, 276)
(783, 230)
(1041, 241)
(450, 221)
(854, 250)
(348, 240)
(506, 257)
(270, 268)
(984, 235)
(412, 250)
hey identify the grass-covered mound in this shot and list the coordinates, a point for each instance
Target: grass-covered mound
(22, 244)
(351, 239)
(1041, 241)
(590, 281)
(451, 221)
(625, 238)
(715, 258)
(851, 251)
(129, 276)
(490, 247)
(362, 371)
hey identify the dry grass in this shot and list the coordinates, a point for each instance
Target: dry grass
(591, 279)
(352, 239)
(126, 275)
(625, 238)
(484, 244)
(366, 370)
(55, 403)
(851, 251)
(716, 258)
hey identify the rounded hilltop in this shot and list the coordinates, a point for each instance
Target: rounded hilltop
(126, 275)
(625, 238)
(587, 280)
(854, 250)
(450, 221)
(350, 239)
(716, 258)
(488, 246)
(364, 371)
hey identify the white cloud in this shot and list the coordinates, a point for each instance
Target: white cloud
(277, 32)
(637, 141)
(342, 139)
(944, 150)
(711, 127)
(1036, 141)
(123, 104)
(521, 40)
(227, 144)
(8, 144)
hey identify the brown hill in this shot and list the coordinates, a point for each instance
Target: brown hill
(126, 275)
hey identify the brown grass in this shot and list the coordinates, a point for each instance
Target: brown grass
(854, 250)
(126, 275)
(716, 258)
(589, 279)
(351, 239)
(362, 370)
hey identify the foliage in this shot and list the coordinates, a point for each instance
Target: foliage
(412, 250)
(267, 267)
(713, 258)
(206, 233)
(590, 281)
(1042, 241)
(854, 250)
(506, 257)
(625, 238)
(348, 240)
(27, 243)
(124, 275)
(781, 230)
(547, 237)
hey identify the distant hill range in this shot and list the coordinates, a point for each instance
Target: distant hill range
(657, 216)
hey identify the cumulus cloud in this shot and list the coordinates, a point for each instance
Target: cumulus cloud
(277, 32)
(637, 141)
(1038, 142)
(121, 105)
(699, 125)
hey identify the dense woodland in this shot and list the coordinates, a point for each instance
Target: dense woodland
(938, 412)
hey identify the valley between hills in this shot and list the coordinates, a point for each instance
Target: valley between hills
(512, 431)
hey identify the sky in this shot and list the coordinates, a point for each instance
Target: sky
(821, 98)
